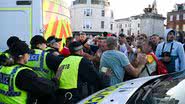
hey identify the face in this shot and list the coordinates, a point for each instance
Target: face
(155, 39)
(69, 42)
(145, 47)
(82, 37)
(104, 45)
(42, 46)
(122, 40)
(55, 45)
(139, 41)
(26, 57)
(100, 42)
(171, 36)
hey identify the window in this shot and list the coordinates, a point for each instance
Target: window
(177, 27)
(111, 26)
(103, 13)
(87, 24)
(138, 32)
(117, 26)
(112, 14)
(177, 17)
(102, 24)
(120, 25)
(138, 25)
(171, 18)
(183, 27)
(184, 16)
(125, 25)
(87, 12)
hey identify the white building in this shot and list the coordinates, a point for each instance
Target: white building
(148, 23)
(91, 16)
(122, 26)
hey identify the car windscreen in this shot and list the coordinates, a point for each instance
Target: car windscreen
(166, 90)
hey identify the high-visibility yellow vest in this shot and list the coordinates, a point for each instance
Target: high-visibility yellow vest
(37, 62)
(69, 76)
(9, 93)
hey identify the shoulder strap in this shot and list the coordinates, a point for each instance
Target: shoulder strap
(147, 70)
(163, 47)
(171, 48)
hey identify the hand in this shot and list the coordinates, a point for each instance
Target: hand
(108, 72)
(142, 58)
(88, 56)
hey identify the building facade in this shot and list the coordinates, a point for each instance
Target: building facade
(91, 16)
(122, 26)
(176, 18)
(148, 23)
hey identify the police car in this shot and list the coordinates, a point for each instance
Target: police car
(163, 89)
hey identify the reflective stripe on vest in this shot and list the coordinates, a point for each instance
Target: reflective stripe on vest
(48, 49)
(37, 61)
(69, 76)
(9, 93)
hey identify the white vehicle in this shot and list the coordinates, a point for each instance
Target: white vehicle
(26, 18)
(166, 89)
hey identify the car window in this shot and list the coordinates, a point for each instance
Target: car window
(168, 91)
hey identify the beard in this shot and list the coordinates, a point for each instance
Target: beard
(170, 39)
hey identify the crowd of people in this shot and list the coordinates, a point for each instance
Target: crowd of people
(43, 74)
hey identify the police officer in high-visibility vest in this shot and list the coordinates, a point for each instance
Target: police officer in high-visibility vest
(18, 83)
(73, 71)
(42, 62)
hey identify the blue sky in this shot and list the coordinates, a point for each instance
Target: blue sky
(126, 8)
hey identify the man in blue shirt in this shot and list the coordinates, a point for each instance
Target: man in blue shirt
(118, 63)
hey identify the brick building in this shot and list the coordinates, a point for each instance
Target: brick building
(176, 18)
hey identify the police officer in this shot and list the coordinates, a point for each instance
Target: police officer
(18, 83)
(42, 62)
(73, 71)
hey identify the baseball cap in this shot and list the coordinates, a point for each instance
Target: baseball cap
(53, 39)
(19, 48)
(11, 40)
(37, 39)
(75, 46)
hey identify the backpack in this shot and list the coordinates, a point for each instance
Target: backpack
(161, 68)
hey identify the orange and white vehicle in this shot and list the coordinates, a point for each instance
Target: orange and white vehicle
(26, 18)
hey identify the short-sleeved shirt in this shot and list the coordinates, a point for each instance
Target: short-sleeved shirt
(115, 61)
(123, 49)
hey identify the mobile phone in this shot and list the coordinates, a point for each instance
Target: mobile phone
(104, 69)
